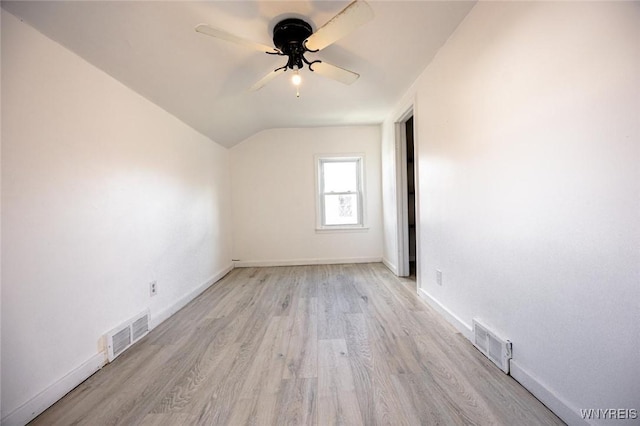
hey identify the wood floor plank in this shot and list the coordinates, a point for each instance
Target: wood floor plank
(386, 346)
(248, 291)
(405, 295)
(330, 317)
(186, 388)
(302, 345)
(422, 402)
(302, 354)
(297, 402)
(452, 386)
(361, 362)
(348, 297)
(388, 404)
(215, 400)
(265, 371)
(378, 305)
(378, 399)
(311, 276)
(337, 399)
(167, 419)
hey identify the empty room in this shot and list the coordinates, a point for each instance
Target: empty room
(320, 212)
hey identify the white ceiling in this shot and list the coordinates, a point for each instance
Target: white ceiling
(152, 48)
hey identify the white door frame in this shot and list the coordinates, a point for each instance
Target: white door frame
(402, 195)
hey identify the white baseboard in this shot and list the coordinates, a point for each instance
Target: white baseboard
(451, 318)
(45, 399)
(302, 262)
(393, 268)
(159, 317)
(560, 407)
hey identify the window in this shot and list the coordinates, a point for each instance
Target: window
(340, 194)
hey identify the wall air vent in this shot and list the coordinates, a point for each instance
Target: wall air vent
(498, 350)
(122, 337)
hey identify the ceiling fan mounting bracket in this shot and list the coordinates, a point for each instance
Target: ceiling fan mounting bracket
(289, 36)
(290, 31)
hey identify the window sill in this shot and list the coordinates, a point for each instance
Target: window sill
(341, 229)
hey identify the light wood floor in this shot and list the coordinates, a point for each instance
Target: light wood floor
(312, 345)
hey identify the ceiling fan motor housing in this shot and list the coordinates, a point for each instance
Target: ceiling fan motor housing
(289, 36)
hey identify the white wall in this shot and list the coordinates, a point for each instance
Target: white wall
(0, 232)
(273, 192)
(528, 130)
(102, 192)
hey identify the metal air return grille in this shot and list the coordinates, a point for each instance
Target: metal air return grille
(498, 350)
(122, 337)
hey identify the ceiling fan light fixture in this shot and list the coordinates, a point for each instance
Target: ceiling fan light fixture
(296, 79)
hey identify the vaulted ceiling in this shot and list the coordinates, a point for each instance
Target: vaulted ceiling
(152, 48)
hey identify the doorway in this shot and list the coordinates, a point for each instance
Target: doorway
(411, 197)
(407, 200)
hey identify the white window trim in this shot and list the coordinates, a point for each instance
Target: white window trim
(360, 157)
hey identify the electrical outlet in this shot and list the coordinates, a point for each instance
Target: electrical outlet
(438, 277)
(153, 288)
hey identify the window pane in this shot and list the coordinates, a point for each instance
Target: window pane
(341, 209)
(340, 176)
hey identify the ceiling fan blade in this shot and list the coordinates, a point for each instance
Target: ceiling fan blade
(223, 35)
(351, 17)
(335, 73)
(266, 79)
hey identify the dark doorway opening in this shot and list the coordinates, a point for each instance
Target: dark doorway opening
(411, 197)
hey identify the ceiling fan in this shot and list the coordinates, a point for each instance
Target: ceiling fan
(294, 37)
